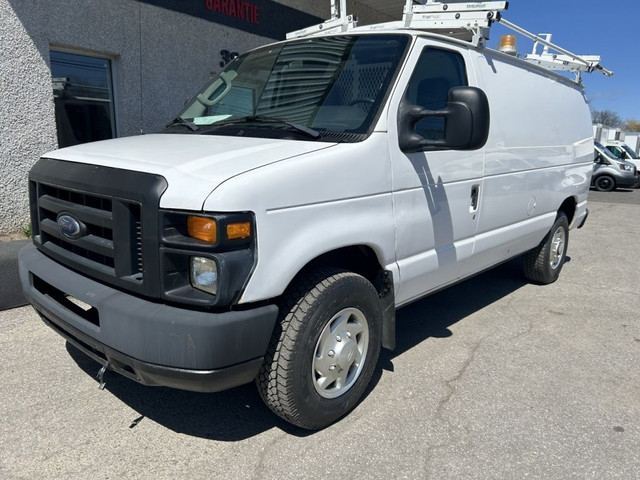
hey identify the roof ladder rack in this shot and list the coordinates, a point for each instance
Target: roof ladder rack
(459, 19)
(339, 22)
(467, 21)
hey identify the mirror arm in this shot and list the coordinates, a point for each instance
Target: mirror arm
(412, 141)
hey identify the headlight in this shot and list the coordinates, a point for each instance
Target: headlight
(624, 167)
(206, 259)
(204, 274)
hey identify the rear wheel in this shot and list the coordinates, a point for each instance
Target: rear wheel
(604, 183)
(324, 350)
(544, 263)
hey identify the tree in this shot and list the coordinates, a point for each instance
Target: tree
(632, 125)
(607, 118)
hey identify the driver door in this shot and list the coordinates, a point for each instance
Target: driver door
(436, 193)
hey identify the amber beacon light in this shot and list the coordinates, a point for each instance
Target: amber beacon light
(508, 45)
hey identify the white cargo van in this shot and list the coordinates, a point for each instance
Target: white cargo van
(623, 151)
(304, 194)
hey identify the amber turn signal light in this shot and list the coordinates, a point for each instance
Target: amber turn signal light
(202, 228)
(238, 230)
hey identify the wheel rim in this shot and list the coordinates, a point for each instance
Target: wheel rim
(340, 353)
(605, 183)
(558, 243)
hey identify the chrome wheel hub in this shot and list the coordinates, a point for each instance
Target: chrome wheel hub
(558, 244)
(340, 353)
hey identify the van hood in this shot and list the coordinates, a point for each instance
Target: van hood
(193, 165)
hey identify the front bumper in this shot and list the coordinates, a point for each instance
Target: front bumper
(627, 181)
(151, 343)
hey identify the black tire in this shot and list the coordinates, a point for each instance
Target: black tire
(604, 183)
(543, 264)
(288, 381)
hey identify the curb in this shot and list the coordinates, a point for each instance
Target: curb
(11, 295)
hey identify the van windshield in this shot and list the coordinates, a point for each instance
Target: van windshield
(631, 153)
(329, 88)
(606, 152)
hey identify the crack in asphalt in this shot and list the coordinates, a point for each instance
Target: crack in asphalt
(451, 390)
(523, 334)
(261, 465)
(439, 417)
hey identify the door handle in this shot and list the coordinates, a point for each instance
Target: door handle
(475, 191)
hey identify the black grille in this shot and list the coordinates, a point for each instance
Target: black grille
(117, 213)
(99, 217)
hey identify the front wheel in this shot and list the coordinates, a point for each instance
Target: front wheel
(543, 263)
(324, 350)
(604, 183)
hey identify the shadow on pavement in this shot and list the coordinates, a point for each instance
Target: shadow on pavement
(228, 416)
(239, 413)
(432, 316)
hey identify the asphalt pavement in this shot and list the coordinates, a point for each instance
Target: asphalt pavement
(492, 379)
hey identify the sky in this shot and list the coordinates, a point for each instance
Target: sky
(607, 28)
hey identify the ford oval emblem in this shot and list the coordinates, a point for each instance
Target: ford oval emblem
(69, 226)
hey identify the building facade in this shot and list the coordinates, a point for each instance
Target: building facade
(73, 71)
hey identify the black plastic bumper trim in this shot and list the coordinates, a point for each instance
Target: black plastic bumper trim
(149, 332)
(156, 375)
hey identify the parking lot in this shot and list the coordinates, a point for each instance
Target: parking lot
(492, 379)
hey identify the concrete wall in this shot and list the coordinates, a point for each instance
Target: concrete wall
(159, 59)
(26, 113)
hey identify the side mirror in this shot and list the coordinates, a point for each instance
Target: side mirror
(466, 122)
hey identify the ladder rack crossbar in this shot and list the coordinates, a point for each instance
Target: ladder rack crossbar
(584, 63)
(452, 18)
(441, 7)
(470, 21)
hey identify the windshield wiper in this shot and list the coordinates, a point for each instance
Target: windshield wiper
(310, 132)
(182, 121)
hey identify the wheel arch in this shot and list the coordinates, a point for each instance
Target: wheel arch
(363, 260)
(569, 207)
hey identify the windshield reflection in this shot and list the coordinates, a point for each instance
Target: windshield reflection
(332, 85)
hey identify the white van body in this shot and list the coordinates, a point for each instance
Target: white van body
(525, 173)
(623, 151)
(421, 220)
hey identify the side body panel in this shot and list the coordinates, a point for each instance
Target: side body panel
(539, 154)
(432, 200)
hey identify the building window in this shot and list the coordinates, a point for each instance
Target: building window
(83, 96)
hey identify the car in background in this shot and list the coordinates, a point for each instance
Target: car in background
(610, 172)
(623, 151)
